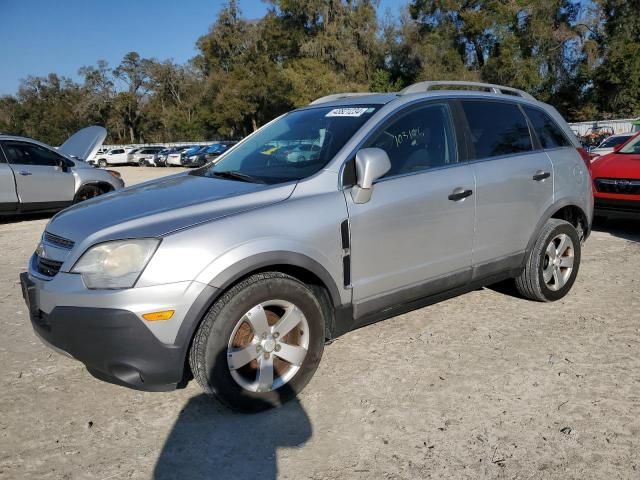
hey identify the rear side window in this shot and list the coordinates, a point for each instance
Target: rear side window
(21, 153)
(497, 128)
(548, 131)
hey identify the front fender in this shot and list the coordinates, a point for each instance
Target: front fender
(252, 256)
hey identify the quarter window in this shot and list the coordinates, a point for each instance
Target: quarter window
(497, 128)
(548, 132)
(418, 140)
(19, 153)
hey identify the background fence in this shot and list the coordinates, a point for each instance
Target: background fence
(618, 126)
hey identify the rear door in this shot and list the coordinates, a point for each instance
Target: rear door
(8, 196)
(414, 236)
(40, 178)
(514, 181)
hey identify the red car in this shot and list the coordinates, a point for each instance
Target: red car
(616, 180)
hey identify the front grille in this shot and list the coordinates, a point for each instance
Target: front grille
(48, 267)
(57, 241)
(620, 186)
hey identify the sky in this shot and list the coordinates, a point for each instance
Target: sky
(38, 37)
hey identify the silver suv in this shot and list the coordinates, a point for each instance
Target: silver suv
(238, 272)
(35, 177)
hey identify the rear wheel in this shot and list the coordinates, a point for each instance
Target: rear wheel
(553, 263)
(260, 343)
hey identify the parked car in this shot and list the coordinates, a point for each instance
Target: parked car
(94, 158)
(205, 154)
(609, 143)
(174, 159)
(159, 159)
(143, 153)
(38, 177)
(115, 156)
(616, 180)
(302, 153)
(238, 272)
(595, 136)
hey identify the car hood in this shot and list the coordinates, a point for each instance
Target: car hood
(158, 207)
(84, 143)
(616, 165)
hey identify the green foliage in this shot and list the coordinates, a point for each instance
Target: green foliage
(583, 56)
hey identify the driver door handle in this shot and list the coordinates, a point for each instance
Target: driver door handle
(460, 194)
(541, 175)
(24, 173)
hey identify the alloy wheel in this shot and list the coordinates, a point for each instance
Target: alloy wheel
(268, 346)
(557, 264)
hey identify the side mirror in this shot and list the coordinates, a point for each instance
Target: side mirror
(371, 164)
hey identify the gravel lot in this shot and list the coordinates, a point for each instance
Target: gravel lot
(481, 386)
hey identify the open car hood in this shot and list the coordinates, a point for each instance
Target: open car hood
(84, 143)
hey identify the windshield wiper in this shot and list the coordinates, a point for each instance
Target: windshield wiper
(235, 175)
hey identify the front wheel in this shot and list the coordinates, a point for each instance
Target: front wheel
(553, 263)
(102, 163)
(87, 192)
(260, 343)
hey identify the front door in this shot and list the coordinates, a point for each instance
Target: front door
(40, 180)
(8, 197)
(415, 234)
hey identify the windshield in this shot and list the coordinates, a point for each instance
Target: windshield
(296, 146)
(613, 141)
(632, 147)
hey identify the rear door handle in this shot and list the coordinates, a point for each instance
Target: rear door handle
(460, 194)
(24, 173)
(541, 175)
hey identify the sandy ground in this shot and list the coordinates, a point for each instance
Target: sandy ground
(481, 386)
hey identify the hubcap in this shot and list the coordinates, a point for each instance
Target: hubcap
(558, 262)
(268, 346)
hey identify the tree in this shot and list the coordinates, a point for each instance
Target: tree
(617, 80)
(134, 72)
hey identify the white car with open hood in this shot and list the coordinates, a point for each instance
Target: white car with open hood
(37, 177)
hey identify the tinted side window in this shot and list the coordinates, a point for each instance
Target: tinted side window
(497, 128)
(548, 131)
(418, 140)
(19, 153)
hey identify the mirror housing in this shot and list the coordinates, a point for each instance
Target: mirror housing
(371, 164)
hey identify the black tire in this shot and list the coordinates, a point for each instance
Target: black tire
(530, 284)
(87, 192)
(208, 353)
(102, 163)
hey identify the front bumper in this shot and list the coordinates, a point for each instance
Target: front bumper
(113, 342)
(617, 207)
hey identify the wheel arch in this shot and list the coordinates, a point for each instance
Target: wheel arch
(565, 210)
(106, 187)
(297, 265)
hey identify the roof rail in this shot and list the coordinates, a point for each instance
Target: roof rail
(422, 87)
(338, 96)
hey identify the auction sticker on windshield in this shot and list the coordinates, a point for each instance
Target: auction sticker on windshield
(348, 112)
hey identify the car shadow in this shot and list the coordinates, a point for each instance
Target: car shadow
(208, 441)
(25, 217)
(626, 228)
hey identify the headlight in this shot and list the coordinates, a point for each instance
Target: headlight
(116, 264)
